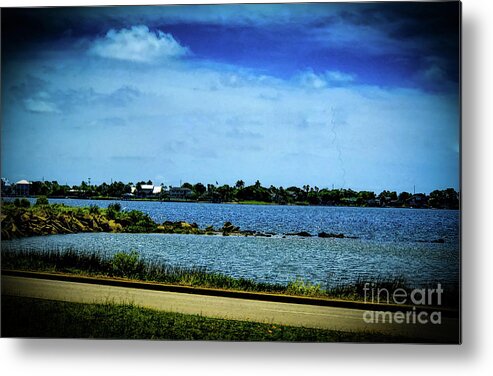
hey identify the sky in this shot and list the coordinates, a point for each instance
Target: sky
(363, 96)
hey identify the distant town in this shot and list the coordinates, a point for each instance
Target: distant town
(237, 193)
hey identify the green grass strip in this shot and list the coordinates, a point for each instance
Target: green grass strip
(27, 317)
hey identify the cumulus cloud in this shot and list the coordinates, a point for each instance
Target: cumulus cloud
(138, 44)
(40, 103)
(337, 76)
(312, 80)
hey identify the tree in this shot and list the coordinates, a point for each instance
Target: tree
(225, 192)
(388, 195)
(404, 196)
(199, 189)
(240, 184)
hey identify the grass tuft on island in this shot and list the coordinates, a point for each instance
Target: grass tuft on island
(28, 317)
(131, 266)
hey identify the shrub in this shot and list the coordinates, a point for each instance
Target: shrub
(137, 221)
(115, 207)
(22, 203)
(126, 264)
(94, 209)
(42, 200)
(300, 287)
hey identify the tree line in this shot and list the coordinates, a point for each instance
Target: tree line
(240, 192)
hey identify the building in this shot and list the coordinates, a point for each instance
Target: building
(22, 188)
(418, 200)
(145, 190)
(157, 190)
(179, 193)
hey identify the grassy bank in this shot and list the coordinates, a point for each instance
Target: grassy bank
(128, 265)
(27, 317)
(19, 219)
(132, 266)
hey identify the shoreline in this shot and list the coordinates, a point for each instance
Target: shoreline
(252, 203)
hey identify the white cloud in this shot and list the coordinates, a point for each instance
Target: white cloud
(330, 117)
(138, 44)
(40, 106)
(337, 76)
(312, 80)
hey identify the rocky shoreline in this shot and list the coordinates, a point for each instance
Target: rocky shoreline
(53, 220)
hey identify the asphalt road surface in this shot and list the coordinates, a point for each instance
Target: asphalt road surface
(336, 318)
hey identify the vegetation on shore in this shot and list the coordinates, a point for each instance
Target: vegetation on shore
(28, 317)
(253, 194)
(20, 219)
(131, 266)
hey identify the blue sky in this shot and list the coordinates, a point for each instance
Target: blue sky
(361, 96)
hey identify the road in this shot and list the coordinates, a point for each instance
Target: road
(336, 318)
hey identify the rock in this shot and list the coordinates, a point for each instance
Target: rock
(330, 235)
(185, 225)
(441, 241)
(229, 227)
(301, 233)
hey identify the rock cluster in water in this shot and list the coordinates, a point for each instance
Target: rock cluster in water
(21, 223)
(50, 220)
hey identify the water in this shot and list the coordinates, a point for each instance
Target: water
(390, 242)
(381, 224)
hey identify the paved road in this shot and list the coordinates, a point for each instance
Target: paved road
(344, 319)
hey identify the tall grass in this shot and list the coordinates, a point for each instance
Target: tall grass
(131, 265)
(128, 265)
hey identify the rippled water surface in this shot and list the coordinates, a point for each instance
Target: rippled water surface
(391, 242)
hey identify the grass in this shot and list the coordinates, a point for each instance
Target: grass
(130, 265)
(49, 219)
(28, 317)
(255, 202)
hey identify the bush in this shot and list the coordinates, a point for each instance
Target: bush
(42, 200)
(300, 287)
(112, 210)
(116, 207)
(22, 203)
(94, 209)
(137, 221)
(126, 264)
